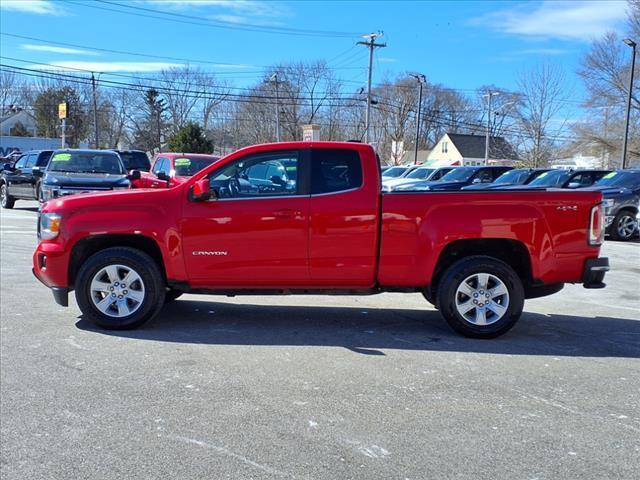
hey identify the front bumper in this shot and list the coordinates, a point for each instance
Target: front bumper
(50, 265)
(594, 272)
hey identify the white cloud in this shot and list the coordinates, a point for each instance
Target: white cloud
(251, 9)
(54, 49)
(542, 51)
(567, 20)
(108, 66)
(40, 7)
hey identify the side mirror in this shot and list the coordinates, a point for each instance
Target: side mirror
(573, 185)
(277, 179)
(476, 180)
(134, 175)
(163, 176)
(36, 172)
(201, 191)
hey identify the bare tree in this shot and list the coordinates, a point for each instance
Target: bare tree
(542, 99)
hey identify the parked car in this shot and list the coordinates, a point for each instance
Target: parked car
(563, 179)
(394, 172)
(456, 179)
(427, 174)
(22, 180)
(134, 160)
(72, 171)
(170, 169)
(621, 200)
(517, 176)
(332, 232)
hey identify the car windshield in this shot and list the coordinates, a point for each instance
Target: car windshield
(394, 172)
(550, 179)
(188, 166)
(513, 176)
(459, 174)
(135, 161)
(86, 162)
(620, 179)
(420, 173)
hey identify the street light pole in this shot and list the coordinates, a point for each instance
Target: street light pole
(489, 96)
(274, 79)
(633, 45)
(421, 79)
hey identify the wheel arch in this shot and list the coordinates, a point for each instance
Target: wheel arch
(88, 246)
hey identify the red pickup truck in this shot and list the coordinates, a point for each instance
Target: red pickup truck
(324, 228)
(169, 169)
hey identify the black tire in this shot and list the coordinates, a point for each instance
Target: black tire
(144, 266)
(454, 277)
(37, 191)
(6, 200)
(172, 295)
(622, 217)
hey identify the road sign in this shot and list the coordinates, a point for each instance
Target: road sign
(62, 110)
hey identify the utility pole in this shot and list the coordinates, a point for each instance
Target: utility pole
(64, 133)
(489, 96)
(95, 111)
(421, 79)
(633, 45)
(371, 44)
(274, 79)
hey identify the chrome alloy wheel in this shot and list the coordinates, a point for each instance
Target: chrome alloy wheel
(482, 299)
(117, 290)
(626, 226)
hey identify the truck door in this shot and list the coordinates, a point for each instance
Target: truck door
(344, 219)
(19, 177)
(253, 236)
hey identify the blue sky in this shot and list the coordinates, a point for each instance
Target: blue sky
(463, 44)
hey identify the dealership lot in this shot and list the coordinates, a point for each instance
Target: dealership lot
(318, 387)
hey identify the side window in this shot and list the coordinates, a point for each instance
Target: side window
(262, 175)
(31, 160)
(496, 173)
(484, 176)
(160, 166)
(21, 162)
(335, 170)
(583, 179)
(43, 159)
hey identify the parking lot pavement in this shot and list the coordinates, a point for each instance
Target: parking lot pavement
(317, 387)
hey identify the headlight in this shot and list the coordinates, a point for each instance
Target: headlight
(49, 226)
(608, 202)
(49, 192)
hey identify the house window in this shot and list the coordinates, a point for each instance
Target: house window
(445, 147)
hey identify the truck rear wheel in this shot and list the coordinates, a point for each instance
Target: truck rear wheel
(480, 297)
(120, 288)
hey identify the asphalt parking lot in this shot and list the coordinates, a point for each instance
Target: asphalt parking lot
(317, 387)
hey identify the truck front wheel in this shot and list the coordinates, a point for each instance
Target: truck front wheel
(6, 200)
(119, 288)
(480, 297)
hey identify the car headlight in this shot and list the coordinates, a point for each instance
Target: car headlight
(608, 202)
(49, 226)
(48, 192)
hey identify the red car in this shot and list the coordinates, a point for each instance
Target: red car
(309, 217)
(171, 169)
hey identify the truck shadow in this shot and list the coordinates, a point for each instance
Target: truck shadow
(370, 331)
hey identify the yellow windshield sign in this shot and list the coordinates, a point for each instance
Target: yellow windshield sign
(182, 162)
(610, 175)
(61, 157)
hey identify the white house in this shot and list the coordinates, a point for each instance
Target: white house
(458, 149)
(10, 119)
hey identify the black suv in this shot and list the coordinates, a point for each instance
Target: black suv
(559, 178)
(22, 180)
(621, 197)
(81, 171)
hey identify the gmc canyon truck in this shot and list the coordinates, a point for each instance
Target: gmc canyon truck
(475, 255)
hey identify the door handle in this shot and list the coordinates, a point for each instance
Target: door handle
(286, 213)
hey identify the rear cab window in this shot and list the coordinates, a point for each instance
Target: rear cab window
(335, 170)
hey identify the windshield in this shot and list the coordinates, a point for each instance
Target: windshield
(188, 166)
(420, 173)
(393, 172)
(86, 162)
(551, 179)
(135, 160)
(513, 176)
(620, 179)
(459, 174)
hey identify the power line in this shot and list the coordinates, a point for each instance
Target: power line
(193, 20)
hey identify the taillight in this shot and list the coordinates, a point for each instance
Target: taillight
(596, 225)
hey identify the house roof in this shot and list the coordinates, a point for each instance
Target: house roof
(472, 146)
